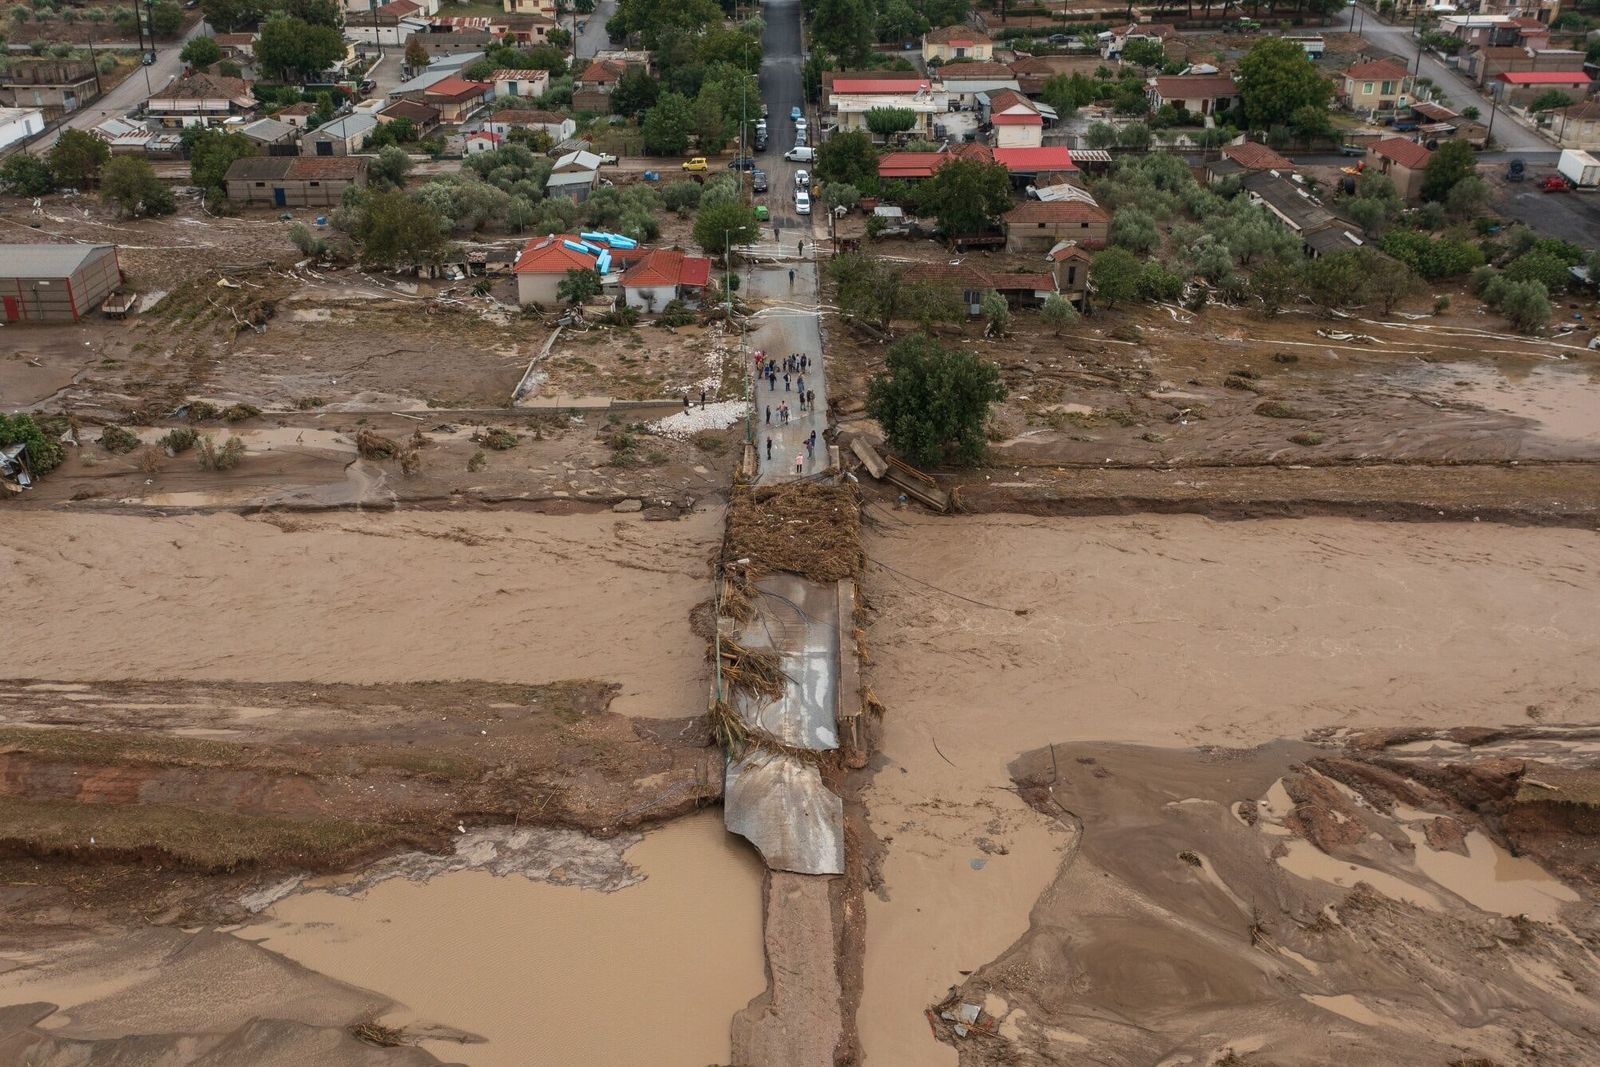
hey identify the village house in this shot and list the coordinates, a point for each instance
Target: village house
(524, 84)
(965, 81)
(272, 137)
(54, 86)
(956, 42)
(1039, 225)
(240, 47)
(1069, 266)
(971, 282)
(591, 90)
(1016, 121)
(1237, 160)
(342, 137)
(1376, 88)
(1577, 126)
(55, 282)
(574, 174)
(557, 127)
(665, 275)
(544, 261)
(1521, 88)
(1198, 94)
(546, 8)
(200, 99)
(1403, 161)
(391, 25)
(852, 98)
(19, 124)
(1027, 164)
(446, 41)
(456, 98)
(297, 115)
(293, 181)
(1113, 43)
(1482, 65)
(424, 118)
(480, 141)
(1319, 230)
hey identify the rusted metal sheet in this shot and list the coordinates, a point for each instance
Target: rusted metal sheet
(778, 802)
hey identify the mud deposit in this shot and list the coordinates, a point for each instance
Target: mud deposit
(547, 974)
(364, 599)
(1252, 903)
(1170, 631)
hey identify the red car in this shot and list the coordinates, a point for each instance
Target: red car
(1555, 183)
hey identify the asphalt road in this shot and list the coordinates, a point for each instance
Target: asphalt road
(781, 90)
(134, 90)
(1507, 132)
(593, 38)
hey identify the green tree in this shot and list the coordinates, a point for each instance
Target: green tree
(130, 185)
(1527, 305)
(1449, 164)
(26, 175)
(1144, 54)
(201, 52)
(1101, 135)
(166, 19)
(996, 314)
(635, 93)
(933, 402)
(1469, 198)
(390, 168)
(1115, 275)
(226, 16)
(1135, 229)
(396, 230)
(1056, 312)
(1276, 79)
(1135, 135)
(841, 195)
(888, 121)
(966, 195)
(843, 28)
(849, 157)
(43, 451)
(1539, 266)
(1277, 282)
(900, 22)
(212, 153)
(868, 287)
(77, 158)
(295, 50)
(416, 53)
(928, 302)
(579, 285)
(711, 129)
(719, 227)
(667, 125)
(1310, 123)
(1549, 100)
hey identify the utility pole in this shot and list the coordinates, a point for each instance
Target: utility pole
(95, 63)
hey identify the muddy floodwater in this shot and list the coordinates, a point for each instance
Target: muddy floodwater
(552, 974)
(1563, 400)
(1174, 631)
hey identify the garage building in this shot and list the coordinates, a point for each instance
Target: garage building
(55, 283)
(293, 181)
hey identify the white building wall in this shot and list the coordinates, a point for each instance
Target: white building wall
(17, 123)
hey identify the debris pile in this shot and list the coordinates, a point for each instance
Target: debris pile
(802, 528)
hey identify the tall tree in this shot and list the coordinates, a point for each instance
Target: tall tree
(201, 52)
(396, 230)
(966, 195)
(77, 157)
(933, 402)
(293, 50)
(667, 125)
(719, 227)
(850, 158)
(1276, 79)
(1449, 164)
(844, 28)
(635, 93)
(130, 184)
(212, 153)
(888, 121)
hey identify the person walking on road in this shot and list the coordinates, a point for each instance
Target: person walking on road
(702, 398)
(791, 277)
(810, 445)
(769, 450)
(786, 383)
(811, 399)
(686, 401)
(769, 414)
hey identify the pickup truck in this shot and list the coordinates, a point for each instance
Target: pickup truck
(607, 159)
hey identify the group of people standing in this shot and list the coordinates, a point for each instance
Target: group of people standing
(792, 368)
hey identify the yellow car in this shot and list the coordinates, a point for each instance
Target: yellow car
(697, 163)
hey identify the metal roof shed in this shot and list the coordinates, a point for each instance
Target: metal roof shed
(55, 283)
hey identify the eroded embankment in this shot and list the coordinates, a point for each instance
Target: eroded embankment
(249, 779)
(1292, 899)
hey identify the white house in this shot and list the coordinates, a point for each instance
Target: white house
(527, 84)
(664, 275)
(19, 123)
(558, 127)
(852, 98)
(1016, 120)
(483, 141)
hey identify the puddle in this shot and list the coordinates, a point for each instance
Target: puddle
(1348, 1006)
(1492, 879)
(554, 975)
(1308, 861)
(1563, 400)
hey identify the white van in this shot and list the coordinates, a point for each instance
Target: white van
(802, 203)
(800, 154)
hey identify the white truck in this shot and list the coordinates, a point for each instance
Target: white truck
(1581, 169)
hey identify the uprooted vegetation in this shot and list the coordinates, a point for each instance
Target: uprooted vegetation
(802, 528)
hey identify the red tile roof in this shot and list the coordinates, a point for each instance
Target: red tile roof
(550, 255)
(485, 135)
(1408, 154)
(304, 107)
(1035, 211)
(518, 117)
(603, 70)
(456, 87)
(1378, 70)
(1195, 86)
(1254, 156)
(1545, 77)
(964, 69)
(1006, 99)
(1052, 157)
(957, 35)
(1032, 118)
(909, 164)
(323, 168)
(880, 85)
(666, 266)
(1031, 282)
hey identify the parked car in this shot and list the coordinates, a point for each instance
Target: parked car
(794, 114)
(761, 144)
(1516, 171)
(697, 163)
(758, 180)
(761, 127)
(800, 126)
(802, 203)
(762, 214)
(1352, 150)
(800, 137)
(1554, 183)
(148, 59)
(800, 154)
(802, 180)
